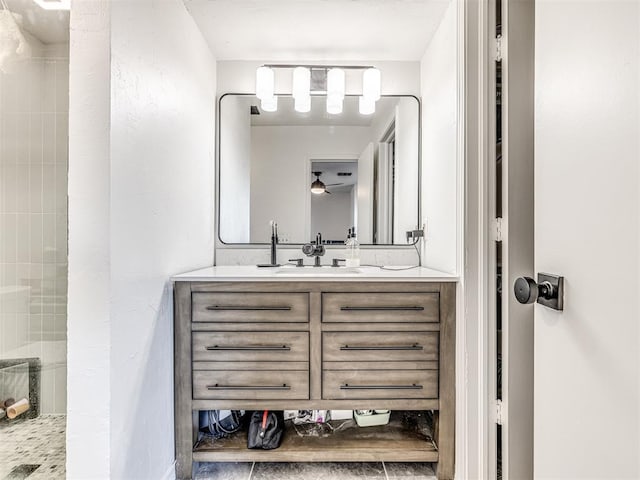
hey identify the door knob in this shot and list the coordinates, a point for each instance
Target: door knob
(547, 291)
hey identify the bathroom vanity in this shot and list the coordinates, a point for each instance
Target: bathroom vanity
(303, 338)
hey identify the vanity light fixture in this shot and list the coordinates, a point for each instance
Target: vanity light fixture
(334, 104)
(269, 104)
(302, 104)
(329, 80)
(366, 105)
(265, 83)
(335, 90)
(371, 84)
(301, 82)
(302, 89)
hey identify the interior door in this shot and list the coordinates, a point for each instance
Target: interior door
(587, 216)
(514, 240)
(364, 227)
(384, 195)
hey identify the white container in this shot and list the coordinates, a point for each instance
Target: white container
(372, 420)
(341, 414)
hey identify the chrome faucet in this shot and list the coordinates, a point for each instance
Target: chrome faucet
(314, 249)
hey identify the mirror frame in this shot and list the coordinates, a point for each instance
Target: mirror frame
(365, 245)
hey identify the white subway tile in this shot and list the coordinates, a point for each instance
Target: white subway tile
(49, 137)
(23, 238)
(36, 238)
(35, 138)
(49, 237)
(35, 188)
(8, 238)
(22, 188)
(49, 188)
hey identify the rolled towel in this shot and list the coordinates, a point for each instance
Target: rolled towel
(2, 413)
(8, 402)
(18, 408)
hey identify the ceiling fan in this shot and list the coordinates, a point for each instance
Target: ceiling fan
(318, 187)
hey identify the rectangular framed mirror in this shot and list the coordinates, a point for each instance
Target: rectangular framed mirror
(317, 172)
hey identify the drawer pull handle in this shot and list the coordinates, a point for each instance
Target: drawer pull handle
(346, 386)
(382, 308)
(255, 348)
(284, 386)
(249, 309)
(383, 347)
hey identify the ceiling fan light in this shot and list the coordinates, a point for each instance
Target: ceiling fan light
(334, 104)
(301, 82)
(317, 187)
(269, 104)
(302, 104)
(265, 83)
(335, 82)
(366, 105)
(371, 84)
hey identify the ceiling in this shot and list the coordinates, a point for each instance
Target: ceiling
(48, 26)
(315, 30)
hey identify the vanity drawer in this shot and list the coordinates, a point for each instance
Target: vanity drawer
(379, 384)
(250, 307)
(250, 385)
(250, 346)
(379, 346)
(380, 307)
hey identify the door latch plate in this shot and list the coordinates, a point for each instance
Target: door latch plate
(557, 282)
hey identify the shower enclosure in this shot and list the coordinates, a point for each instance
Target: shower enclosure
(34, 110)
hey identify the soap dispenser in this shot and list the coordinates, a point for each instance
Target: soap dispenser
(353, 249)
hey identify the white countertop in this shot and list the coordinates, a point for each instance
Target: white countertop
(314, 274)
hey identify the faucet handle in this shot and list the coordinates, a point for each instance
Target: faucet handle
(336, 262)
(299, 261)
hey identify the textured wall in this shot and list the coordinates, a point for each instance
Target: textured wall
(162, 138)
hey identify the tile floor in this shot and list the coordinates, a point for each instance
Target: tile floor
(315, 471)
(33, 449)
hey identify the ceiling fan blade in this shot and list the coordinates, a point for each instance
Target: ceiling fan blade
(327, 191)
(333, 184)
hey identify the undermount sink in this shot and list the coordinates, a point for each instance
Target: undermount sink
(308, 270)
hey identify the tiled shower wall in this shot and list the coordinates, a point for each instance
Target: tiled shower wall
(34, 111)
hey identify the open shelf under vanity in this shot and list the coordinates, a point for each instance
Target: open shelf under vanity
(335, 441)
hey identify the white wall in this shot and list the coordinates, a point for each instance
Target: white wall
(439, 146)
(235, 148)
(162, 139)
(141, 209)
(332, 215)
(279, 168)
(406, 171)
(89, 323)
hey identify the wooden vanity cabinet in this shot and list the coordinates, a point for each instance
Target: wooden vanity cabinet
(315, 345)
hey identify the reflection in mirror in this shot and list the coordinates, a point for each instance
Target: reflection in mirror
(363, 168)
(333, 201)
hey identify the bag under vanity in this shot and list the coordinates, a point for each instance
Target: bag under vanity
(266, 429)
(220, 423)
